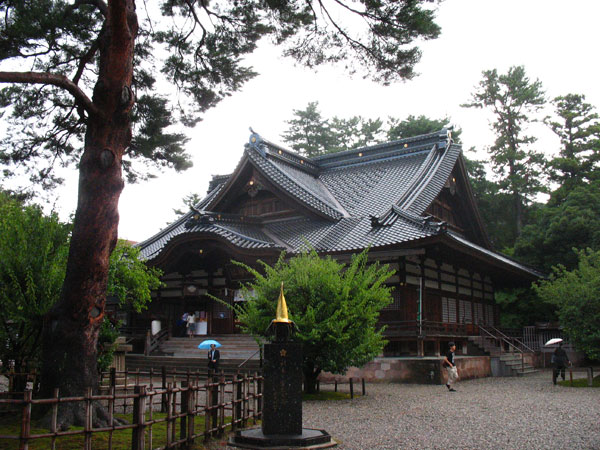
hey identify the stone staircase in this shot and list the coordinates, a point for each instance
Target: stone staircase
(182, 354)
(504, 364)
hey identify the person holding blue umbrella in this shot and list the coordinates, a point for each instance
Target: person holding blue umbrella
(213, 358)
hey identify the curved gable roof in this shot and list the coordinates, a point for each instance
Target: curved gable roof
(372, 196)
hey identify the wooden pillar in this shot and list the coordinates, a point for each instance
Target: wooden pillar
(421, 305)
(420, 347)
(209, 314)
(436, 346)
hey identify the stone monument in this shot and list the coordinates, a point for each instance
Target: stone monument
(282, 394)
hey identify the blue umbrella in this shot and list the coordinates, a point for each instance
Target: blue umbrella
(207, 343)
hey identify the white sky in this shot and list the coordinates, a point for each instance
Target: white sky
(556, 40)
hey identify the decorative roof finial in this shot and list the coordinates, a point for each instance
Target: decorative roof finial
(257, 142)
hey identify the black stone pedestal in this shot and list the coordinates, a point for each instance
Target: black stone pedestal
(309, 438)
(282, 391)
(282, 405)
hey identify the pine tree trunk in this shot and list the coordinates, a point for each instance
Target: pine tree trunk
(71, 328)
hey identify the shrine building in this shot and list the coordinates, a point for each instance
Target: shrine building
(409, 200)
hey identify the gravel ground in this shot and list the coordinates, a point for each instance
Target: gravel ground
(490, 413)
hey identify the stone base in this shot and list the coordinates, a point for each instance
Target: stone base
(255, 439)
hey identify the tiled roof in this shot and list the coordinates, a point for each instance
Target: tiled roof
(374, 196)
(305, 188)
(497, 256)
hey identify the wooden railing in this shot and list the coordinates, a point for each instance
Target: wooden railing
(224, 402)
(428, 328)
(153, 341)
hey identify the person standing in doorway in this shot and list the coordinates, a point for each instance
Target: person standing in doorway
(450, 366)
(191, 324)
(213, 359)
(560, 360)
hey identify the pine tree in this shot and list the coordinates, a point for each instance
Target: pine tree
(514, 100)
(309, 132)
(578, 128)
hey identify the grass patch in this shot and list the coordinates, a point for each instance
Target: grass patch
(581, 382)
(121, 440)
(327, 395)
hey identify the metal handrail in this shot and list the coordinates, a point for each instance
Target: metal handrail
(481, 328)
(250, 357)
(513, 338)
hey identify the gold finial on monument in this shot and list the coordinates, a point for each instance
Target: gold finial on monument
(281, 316)
(281, 326)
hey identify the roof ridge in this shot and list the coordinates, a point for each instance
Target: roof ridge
(423, 138)
(417, 179)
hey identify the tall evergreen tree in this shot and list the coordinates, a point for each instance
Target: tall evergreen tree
(578, 127)
(309, 132)
(514, 100)
(80, 77)
(354, 132)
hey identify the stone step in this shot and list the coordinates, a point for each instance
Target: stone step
(141, 362)
(233, 346)
(526, 371)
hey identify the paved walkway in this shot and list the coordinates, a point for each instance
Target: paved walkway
(490, 413)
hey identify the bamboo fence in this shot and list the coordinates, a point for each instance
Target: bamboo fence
(237, 397)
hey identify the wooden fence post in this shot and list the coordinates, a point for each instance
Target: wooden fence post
(88, 420)
(164, 402)
(53, 423)
(111, 413)
(364, 389)
(138, 441)
(260, 402)
(113, 377)
(221, 396)
(214, 401)
(190, 410)
(239, 399)
(25, 422)
(245, 401)
(207, 409)
(183, 409)
(351, 388)
(590, 376)
(233, 401)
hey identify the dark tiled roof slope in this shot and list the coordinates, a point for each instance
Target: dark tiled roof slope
(374, 196)
(307, 192)
(345, 189)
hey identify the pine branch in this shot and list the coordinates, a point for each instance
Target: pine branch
(55, 80)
